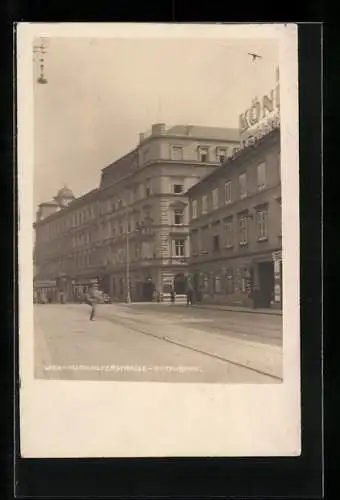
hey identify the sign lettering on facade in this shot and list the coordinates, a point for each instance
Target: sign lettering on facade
(262, 117)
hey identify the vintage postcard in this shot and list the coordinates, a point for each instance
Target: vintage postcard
(158, 184)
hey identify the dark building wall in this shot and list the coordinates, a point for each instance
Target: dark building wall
(228, 265)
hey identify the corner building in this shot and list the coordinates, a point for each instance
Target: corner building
(235, 229)
(134, 228)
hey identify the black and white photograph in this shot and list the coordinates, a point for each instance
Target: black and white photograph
(159, 197)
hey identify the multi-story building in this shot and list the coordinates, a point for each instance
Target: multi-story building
(235, 228)
(132, 232)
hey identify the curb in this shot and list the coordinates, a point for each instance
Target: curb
(270, 312)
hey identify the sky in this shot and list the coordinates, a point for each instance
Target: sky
(101, 93)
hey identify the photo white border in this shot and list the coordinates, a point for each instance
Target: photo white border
(61, 419)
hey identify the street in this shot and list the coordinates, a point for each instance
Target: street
(157, 342)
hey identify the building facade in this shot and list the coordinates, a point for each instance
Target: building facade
(132, 233)
(235, 228)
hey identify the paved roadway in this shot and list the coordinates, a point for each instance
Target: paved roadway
(156, 342)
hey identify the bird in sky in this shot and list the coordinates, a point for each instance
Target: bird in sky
(254, 56)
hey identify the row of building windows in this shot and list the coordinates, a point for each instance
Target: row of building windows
(204, 153)
(88, 258)
(200, 241)
(226, 282)
(212, 202)
(88, 214)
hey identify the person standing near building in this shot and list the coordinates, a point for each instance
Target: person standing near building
(189, 292)
(172, 294)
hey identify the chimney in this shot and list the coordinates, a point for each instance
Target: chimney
(158, 128)
(141, 137)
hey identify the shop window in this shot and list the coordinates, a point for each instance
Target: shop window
(229, 281)
(217, 284)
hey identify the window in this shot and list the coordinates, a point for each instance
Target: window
(178, 217)
(217, 284)
(194, 209)
(221, 154)
(178, 188)
(177, 153)
(243, 230)
(148, 188)
(194, 242)
(216, 242)
(204, 239)
(262, 224)
(203, 154)
(243, 185)
(229, 281)
(227, 192)
(204, 204)
(261, 176)
(215, 198)
(179, 248)
(228, 227)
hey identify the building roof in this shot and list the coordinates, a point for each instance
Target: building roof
(48, 203)
(241, 156)
(217, 133)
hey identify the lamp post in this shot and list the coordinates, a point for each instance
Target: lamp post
(128, 291)
(139, 227)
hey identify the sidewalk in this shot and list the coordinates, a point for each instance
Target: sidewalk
(272, 312)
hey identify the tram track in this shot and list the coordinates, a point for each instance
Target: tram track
(131, 325)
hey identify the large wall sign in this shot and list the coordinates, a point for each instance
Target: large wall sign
(262, 116)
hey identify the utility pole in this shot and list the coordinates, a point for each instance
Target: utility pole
(128, 291)
(128, 294)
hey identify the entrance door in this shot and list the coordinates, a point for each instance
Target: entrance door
(266, 283)
(179, 284)
(148, 289)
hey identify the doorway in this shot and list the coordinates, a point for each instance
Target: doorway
(266, 284)
(180, 284)
(148, 290)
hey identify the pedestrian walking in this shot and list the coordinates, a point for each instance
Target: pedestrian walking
(189, 292)
(92, 300)
(173, 295)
